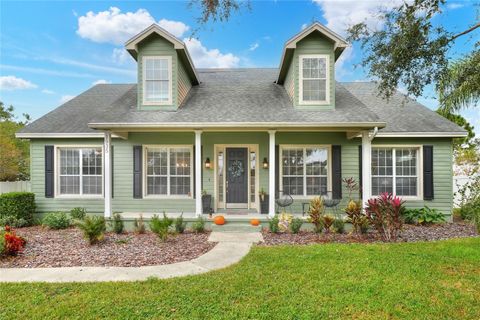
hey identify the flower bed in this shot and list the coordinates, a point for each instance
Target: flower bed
(67, 248)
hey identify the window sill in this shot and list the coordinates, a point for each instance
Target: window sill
(78, 196)
(167, 197)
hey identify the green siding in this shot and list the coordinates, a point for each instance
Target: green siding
(290, 83)
(184, 83)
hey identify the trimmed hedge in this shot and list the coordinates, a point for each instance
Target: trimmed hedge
(20, 205)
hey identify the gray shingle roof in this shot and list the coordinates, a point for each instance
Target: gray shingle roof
(238, 96)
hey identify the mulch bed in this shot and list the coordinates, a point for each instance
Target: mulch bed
(67, 248)
(410, 233)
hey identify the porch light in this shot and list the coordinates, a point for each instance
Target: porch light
(265, 163)
(207, 163)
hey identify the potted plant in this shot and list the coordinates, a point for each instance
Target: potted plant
(206, 202)
(263, 201)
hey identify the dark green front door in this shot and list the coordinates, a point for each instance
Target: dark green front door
(237, 177)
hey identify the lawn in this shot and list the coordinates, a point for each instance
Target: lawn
(437, 280)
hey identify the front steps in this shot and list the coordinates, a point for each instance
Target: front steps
(235, 227)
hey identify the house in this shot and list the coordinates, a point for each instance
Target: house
(159, 144)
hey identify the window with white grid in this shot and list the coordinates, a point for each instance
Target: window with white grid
(168, 171)
(395, 170)
(304, 170)
(157, 80)
(314, 79)
(80, 171)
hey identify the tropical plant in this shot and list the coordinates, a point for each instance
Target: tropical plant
(78, 213)
(338, 225)
(423, 215)
(315, 213)
(273, 224)
(351, 185)
(57, 220)
(180, 225)
(296, 225)
(93, 228)
(139, 225)
(385, 214)
(117, 223)
(284, 221)
(199, 225)
(11, 244)
(355, 216)
(160, 226)
(327, 222)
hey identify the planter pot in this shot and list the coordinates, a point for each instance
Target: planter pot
(207, 203)
(264, 204)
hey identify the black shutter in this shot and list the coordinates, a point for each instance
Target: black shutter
(337, 172)
(428, 172)
(49, 176)
(111, 168)
(137, 172)
(360, 171)
(277, 171)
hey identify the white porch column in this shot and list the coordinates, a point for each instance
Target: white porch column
(198, 173)
(366, 167)
(107, 159)
(271, 173)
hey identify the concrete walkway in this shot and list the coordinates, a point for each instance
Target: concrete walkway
(230, 249)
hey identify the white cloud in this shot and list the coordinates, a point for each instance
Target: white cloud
(113, 26)
(101, 81)
(254, 46)
(213, 58)
(120, 55)
(66, 98)
(13, 83)
(46, 91)
(340, 68)
(455, 5)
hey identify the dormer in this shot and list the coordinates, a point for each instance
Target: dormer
(164, 67)
(307, 67)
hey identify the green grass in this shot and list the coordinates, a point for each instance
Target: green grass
(439, 280)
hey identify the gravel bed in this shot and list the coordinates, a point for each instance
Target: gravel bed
(410, 233)
(67, 248)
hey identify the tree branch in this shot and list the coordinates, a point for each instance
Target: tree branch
(465, 32)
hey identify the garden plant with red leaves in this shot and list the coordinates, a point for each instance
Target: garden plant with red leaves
(12, 244)
(385, 215)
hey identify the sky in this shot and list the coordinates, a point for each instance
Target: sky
(53, 51)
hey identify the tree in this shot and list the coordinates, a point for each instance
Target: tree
(15, 153)
(412, 51)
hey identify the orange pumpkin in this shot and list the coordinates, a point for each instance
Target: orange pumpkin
(255, 222)
(219, 220)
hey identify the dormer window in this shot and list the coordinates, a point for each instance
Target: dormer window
(157, 80)
(314, 80)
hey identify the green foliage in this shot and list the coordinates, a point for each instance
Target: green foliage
(93, 228)
(423, 215)
(2, 242)
(476, 220)
(470, 199)
(78, 213)
(160, 226)
(180, 225)
(296, 225)
(273, 224)
(117, 223)
(139, 225)
(199, 225)
(20, 205)
(57, 220)
(13, 222)
(338, 225)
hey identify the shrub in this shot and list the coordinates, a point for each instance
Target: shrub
(385, 214)
(423, 215)
(470, 198)
(139, 225)
(199, 225)
(284, 221)
(476, 220)
(180, 225)
(338, 225)
(2, 243)
(56, 220)
(20, 205)
(78, 213)
(273, 224)
(117, 223)
(355, 216)
(327, 222)
(296, 225)
(160, 226)
(93, 228)
(315, 213)
(12, 244)
(13, 222)
(364, 225)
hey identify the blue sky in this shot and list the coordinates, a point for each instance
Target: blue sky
(51, 51)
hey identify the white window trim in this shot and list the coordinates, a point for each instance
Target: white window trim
(144, 168)
(300, 79)
(170, 78)
(419, 196)
(56, 173)
(304, 146)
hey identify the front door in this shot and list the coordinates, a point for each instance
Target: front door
(237, 177)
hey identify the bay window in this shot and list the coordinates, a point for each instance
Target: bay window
(168, 171)
(314, 79)
(157, 80)
(304, 170)
(80, 171)
(395, 170)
